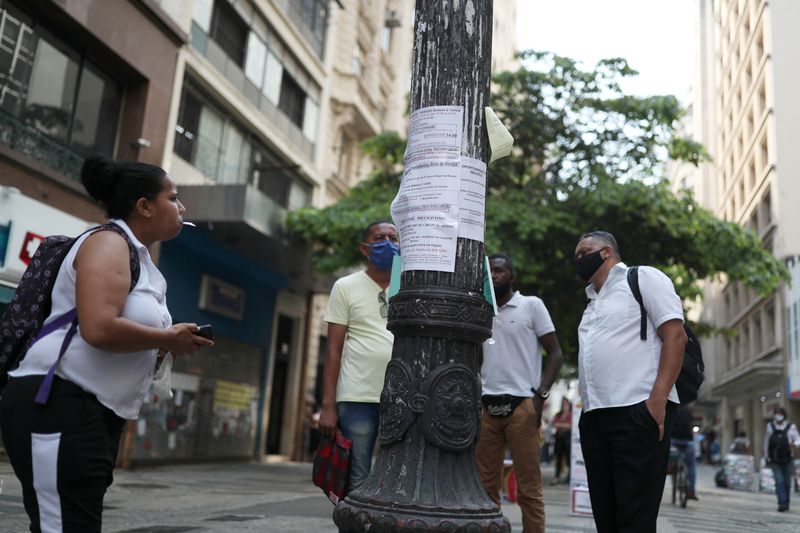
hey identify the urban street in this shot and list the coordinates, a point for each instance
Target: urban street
(407, 236)
(279, 498)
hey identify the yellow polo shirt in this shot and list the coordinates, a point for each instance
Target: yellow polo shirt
(367, 348)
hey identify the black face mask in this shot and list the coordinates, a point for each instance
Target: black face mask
(589, 264)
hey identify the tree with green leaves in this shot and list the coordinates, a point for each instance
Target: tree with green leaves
(586, 157)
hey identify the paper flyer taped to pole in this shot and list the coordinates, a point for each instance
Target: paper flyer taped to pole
(426, 207)
(500, 140)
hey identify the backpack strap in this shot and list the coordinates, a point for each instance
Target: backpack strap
(133, 252)
(633, 283)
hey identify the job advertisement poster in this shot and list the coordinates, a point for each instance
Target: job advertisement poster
(426, 209)
(472, 199)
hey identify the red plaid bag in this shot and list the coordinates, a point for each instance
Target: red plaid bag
(332, 466)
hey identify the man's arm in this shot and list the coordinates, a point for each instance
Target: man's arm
(552, 366)
(673, 338)
(328, 418)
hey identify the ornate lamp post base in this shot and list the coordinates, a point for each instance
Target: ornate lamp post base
(353, 516)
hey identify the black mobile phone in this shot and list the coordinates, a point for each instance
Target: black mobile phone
(206, 332)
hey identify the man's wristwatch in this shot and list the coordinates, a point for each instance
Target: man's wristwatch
(543, 393)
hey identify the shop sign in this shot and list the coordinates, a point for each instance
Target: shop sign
(221, 297)
(23, 224)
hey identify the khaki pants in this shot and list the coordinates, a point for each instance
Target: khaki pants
(519, 432)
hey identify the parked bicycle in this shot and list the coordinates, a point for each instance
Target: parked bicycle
(680, 474)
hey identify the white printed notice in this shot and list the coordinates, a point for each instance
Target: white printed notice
(426, 209)
(472, 199)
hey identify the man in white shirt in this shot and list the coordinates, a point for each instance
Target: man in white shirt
(359, 348)
(780, 439)
(627, 385)
(514, 390)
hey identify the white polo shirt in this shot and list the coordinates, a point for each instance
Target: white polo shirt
(615, 366)
(512, 358)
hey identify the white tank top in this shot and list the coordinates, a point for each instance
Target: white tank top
(121, 381)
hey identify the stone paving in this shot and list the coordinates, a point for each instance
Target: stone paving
(279, 498)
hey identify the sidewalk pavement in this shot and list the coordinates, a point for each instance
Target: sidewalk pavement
(279, 498)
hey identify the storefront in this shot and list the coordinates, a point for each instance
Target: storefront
(218, 408)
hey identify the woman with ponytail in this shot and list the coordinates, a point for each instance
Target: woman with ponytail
(64, 448)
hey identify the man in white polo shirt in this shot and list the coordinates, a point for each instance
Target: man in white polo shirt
(514, 390)
(627, 385)
(359, 348)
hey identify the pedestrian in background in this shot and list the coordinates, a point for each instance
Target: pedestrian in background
(627, 385)
(780, 440)
(64, 452)
(740, 444)
(359, 348)
(515, 387)
(563, 426)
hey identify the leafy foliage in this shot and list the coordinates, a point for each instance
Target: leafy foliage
(586, 157)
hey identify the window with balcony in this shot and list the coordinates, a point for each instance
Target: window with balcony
(228, 153)
(55, 105)
(267, 74)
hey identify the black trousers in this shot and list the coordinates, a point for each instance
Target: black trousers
(562, 451)
(626, 466)
(63, 453)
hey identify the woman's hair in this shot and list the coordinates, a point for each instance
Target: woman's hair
(118, 186)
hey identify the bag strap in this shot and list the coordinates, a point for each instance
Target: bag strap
(44, 389)
(633, 283)
(43, 393)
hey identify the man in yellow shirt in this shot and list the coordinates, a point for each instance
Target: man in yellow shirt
(359, 348)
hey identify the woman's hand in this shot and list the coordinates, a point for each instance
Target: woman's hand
(181, 339)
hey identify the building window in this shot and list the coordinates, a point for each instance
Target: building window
(256, 56)
(359, 60)
(273, 76)
(292, 99)
(386, 39)
(209, 141)
(311, 18)
(229, 31)
(53, 90)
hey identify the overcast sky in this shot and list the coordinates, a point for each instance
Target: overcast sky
(655, 36)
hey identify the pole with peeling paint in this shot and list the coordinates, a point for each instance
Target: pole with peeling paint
(424, 477)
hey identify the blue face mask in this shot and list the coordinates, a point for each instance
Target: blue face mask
(383, 253)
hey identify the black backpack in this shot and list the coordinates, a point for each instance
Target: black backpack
(778, 449)
(692, 372)
(30, 306)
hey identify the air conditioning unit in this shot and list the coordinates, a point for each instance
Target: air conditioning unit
(393, 19)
